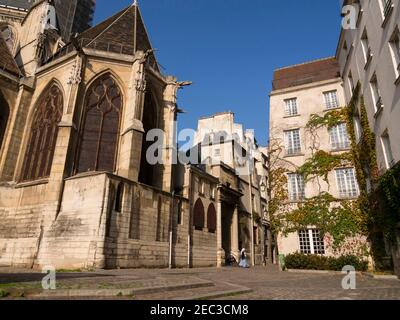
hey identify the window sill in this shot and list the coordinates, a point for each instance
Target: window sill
(341, 149)
(332, 109)
(293, 116)
(294, 155)
(387, 16)
(32, 183)
(378, 112)
(397, 82)
(368, 62)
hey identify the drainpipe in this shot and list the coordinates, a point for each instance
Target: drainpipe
(253, 260)
(171, 228)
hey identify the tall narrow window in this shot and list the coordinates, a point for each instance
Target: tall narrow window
(311, 242)
(347, 183)
(395, 48)
(101, 121)
(291, 107)
(43, 135)
(387, 7)
(4, 114)
(331, 99)
(387, 150)
(357, 128)
(292, 141)
(376, 95)
(365, 47)
(296, 187)
(339, 137)
(351, 82)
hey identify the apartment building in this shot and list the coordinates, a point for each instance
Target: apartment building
(298, 92)
(369, 57)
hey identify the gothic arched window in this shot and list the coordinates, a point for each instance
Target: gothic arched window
(198, 215)
(101, 121)
(211, 219)
(4, 114)
(43, 135)
(8, 36)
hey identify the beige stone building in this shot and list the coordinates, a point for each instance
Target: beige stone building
(369, 55)
(76, 189)
(231, 154)
(298, 92)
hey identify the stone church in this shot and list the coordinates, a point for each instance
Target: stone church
(76, 190)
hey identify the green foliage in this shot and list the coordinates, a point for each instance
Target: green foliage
(317, 262)
(321, 163)
(339, 218)
(329, 120)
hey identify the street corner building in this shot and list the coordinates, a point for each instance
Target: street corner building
(76, 190)
(300, 93)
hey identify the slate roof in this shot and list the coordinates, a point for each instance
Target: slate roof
(117, 34)
(21, 4)
(309, 72)
(7, 61)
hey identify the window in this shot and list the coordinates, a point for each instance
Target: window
(198, 215)
(212, 191)
(331, 100)
(4, 114)
(179, 212)
(339, 137)
(351, 82)
(395, 49)
(311, 242)
(387, 8)
(119, 197)
(100, 130)
(43, 135)
(201, 187)
(296, 187)
(291, 107)
(8, 36)
(365, 47)
(347, 184)
(376, 95)
(357, 128)
(387, 150)
(217, 153)
(211, 219)
(292, 140)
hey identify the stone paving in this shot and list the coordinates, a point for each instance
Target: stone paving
(260, 283)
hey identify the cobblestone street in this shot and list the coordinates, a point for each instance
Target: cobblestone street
(209, 283)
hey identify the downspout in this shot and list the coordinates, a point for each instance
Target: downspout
(171, 221)
(252, 217)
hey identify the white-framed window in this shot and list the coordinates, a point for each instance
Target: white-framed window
(311, 242)
(387, 7)
(357, 128)
(292, 142)
(376, 95)
(365, 46)
(394, 44)
(291, 107)
(339, 137)
(347, 183)
(331, 99)
(296, 187)
(387, 150)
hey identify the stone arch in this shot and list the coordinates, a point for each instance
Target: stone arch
(150, 121)
(100, 125)
(4, 115)
(198, 215)
(41, 145)
(211, 218)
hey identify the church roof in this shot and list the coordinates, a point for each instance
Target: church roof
(117, 34)
(7, 61)
(20, 4)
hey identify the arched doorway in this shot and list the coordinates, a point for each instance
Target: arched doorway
(211, 219)
(4, 114)
(198, 215)
(150, 117)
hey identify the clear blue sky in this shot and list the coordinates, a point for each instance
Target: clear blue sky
(230, 48)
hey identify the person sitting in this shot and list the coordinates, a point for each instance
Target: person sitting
(243, 259)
